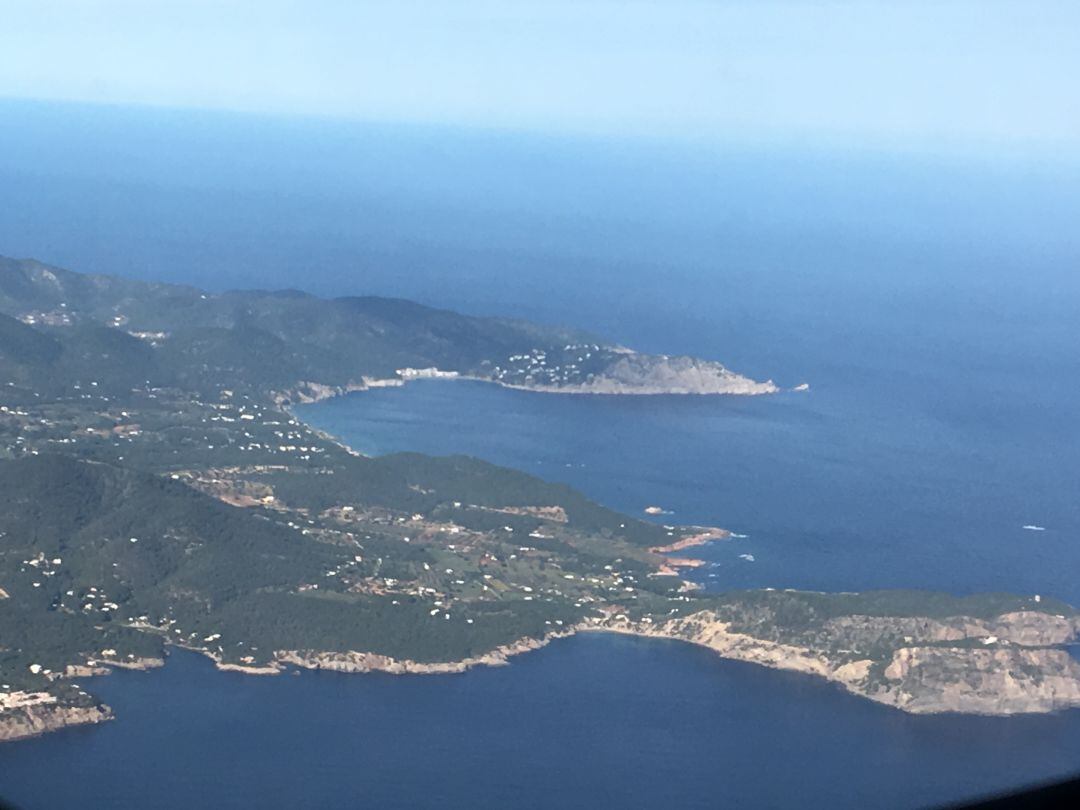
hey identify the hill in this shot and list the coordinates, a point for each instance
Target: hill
(282, 339)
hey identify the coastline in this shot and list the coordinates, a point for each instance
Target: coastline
(1054, 688)
(28, 721)
(744, 388)
(1052, 685)
(1048, 680)
(361, 662)
(310, 392)
(25, 722)
(139, 664)
(693, 541)
(849, 675)
(355, 661)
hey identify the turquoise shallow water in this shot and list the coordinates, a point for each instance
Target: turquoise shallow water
(933, 306)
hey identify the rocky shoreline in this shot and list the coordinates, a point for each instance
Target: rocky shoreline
(364, 662)
(1027, 676)
(1012, 665)
(140, 664)
(1025, 672)
(308, 392)
(30, 714)
(707, 535)
(634, 374)
(607, 387)
(24, 722)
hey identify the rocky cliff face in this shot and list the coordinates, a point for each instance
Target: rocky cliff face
(1001, 666)
(1035, 629)
(1026, 628)
(30, 721)
(706, 630)
(352, 661)
(980, 681)
(307, 392)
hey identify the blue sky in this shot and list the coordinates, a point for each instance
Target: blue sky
(940, 73)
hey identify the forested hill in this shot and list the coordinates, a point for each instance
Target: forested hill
(280, 339)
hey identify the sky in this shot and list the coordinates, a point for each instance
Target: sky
(972, 73)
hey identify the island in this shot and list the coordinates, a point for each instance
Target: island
(157, 491)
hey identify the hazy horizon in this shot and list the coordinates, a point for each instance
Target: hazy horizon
(957, 76)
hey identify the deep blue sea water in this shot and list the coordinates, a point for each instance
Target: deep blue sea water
(933, 304)
(592, 722)
(834, 490)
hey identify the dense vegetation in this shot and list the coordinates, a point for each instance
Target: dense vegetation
(262, 339)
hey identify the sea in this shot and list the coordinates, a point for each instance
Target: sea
(931, 300)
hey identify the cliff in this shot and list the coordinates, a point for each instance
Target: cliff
(1001, 666)
(371, 662)
(40, 718)
(925, 680)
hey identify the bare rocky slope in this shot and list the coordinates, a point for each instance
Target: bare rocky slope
(34, 720)
(1011, 664)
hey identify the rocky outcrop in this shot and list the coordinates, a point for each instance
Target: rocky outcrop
(140, 664)
(634, 373)
(699, 538)
(1035, 629)
(1007, 665)
(630, 373)
(1024, 628)
(84, 671)
(352, 661)
(1001, 681)
(304, 393)
(1000, 666)
(706, 630)
(32, 720)
(272, 668)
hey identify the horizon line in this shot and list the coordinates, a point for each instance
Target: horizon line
(1049, 151)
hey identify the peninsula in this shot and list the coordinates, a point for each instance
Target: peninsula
(156, 491)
